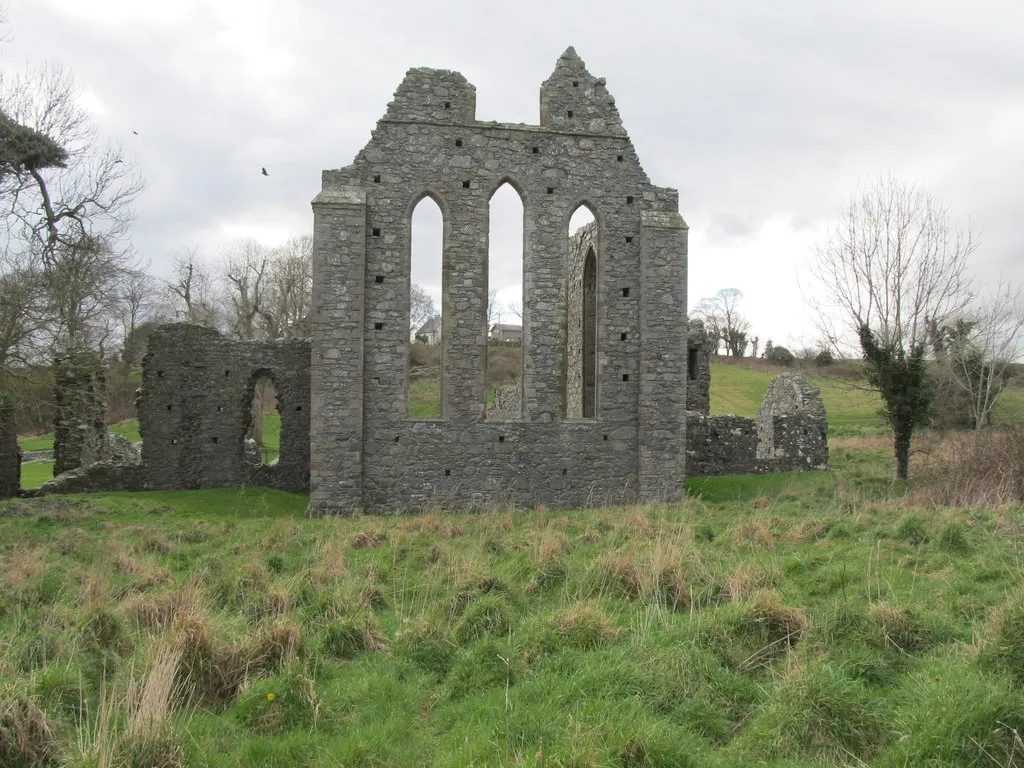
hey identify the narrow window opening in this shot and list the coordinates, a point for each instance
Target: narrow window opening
(378, 326)
(575, 83)
(298, 409)
(447, 105)
(604, 437)
(536, 150)
(378, 279)
(376, 179)
(625, 292)
(625, 377)
(263, 435)
(581, 340)
(458, 142)
(504, 330)
(376, 231)
(564, 472)
(170, 407)
(501, 438)
(629, 239)
(447, 473)
(569, 113)
(465, 184)
(551, 190)
(426, 285)
(216, 439)
(227, 373)
(691, 365)
(629, 200)
(623, 336)
(619, 158)
(174, 441)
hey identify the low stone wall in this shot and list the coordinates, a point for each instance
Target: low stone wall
(97, 477)
(10, 457)
(790, 434)
(80, 425)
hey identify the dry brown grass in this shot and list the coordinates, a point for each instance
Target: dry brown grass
(900, 630)
(969, 469)
(367, 539)
(26, 738)
(776, 626)
(750, 578)
(808, 530)
(751, 534)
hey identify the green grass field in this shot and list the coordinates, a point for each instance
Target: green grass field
(128, 428)
(786, 620)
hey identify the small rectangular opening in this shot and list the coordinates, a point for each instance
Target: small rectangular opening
(564, 472)
(159, 374)
(458, 142)
(623, 336)
(691, 365)
(625, 377)
(625, 292)
(605, 437)
(378, 279)
(501, 438)
(376, 179)
(227, 373)
(396, 438)
(170, 407)
(378, 326)
(551, 190)
(465, 184)
(619, 158)
(447, 105)
(568, 113)
(174, 441)
(447, 473)
(216, 439)
(220, 408)
(536, 150)
(298, 408)
(629, 239)
(629, 200)
(575, 83)
(375, 231)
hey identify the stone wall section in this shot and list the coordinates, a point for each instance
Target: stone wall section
(194, 409)
(507, 405)
(80, 423)
(10, 455)
(365, 451)
(698, 369)
(789, 434)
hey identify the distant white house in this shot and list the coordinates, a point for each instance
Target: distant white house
(430, 331)
(502, 333)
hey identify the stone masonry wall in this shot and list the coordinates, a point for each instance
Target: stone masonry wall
(789, 434)
(195, 409)
(365, 452)
(698, 369)
(80, 425)
(10, 458)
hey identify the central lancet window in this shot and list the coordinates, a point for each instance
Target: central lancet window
(505, 316)
(426, 299)
(581, 392)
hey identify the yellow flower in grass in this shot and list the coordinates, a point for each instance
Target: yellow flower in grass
(270, 697)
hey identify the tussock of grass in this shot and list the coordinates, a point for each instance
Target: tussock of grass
(346, 638)
(585, 625)
(26, 738)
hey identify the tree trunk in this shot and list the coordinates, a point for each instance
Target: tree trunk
(901, 442)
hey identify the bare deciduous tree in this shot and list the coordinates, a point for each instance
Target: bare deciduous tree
(894, 264)
(190, 289)
(245, 276)
(979, 351)
(286, 312)
(723, 320)
(421, 308)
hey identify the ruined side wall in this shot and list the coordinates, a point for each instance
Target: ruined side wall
(195, 408)
(698, 385)
(789, 434)
(10, 458)
(366, 452)
(80, 426)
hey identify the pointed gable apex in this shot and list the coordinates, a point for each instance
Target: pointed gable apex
(572, 99)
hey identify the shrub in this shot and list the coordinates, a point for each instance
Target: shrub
(780, 356)
(824, 358)
(977, 469)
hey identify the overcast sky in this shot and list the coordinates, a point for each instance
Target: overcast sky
(765, 116)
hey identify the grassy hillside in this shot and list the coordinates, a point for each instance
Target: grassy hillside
(815, 620)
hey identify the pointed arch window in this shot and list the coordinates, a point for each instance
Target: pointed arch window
(426, 299)
(505, 315)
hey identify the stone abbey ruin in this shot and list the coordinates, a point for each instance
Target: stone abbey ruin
(614, 398)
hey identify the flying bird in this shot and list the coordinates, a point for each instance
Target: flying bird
(264, 170)
(135, 132)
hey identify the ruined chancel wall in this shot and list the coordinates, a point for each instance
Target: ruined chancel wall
(10, 456)
(365, 451)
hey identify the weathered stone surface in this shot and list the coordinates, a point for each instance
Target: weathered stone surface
(508, 403)
(789, 434)
(365, 451)
(195, 409)
(698, 369)
(80, 426)
(10, 456)
(96, 477)
(792, 427)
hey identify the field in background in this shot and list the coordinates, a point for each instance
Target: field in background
(817, 619)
